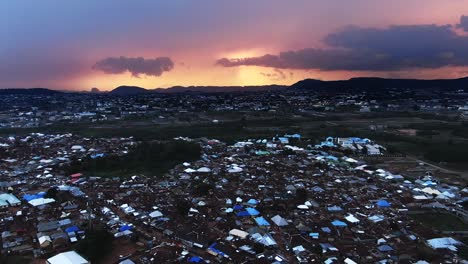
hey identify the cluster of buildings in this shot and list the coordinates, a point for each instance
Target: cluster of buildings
(35, 220)
(255, 201)
(363, 146)
(22, 111)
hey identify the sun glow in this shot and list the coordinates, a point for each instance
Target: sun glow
(244, 53)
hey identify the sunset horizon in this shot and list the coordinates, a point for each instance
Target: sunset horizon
(77, 46)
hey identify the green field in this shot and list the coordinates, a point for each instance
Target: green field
(149, 158)
(441, 221)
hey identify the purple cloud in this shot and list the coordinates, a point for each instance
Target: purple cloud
(136, 66)
(276, 75)
(463, 23)
(374, 49)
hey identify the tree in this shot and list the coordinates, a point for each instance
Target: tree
(182, 206)
(96, 245)
(258, 248)
(51, 193)
(364, 150)
(202, 189)
(301, 195)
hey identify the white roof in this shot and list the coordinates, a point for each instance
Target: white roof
(352, 219)
(127, 261)
(376, 218)
(76, 147)
(430, 191)
(349, 261)
(10, 198)
(444, 242)
(204, 169)
(266, 239)
(156, 214)
(279, 221)
(41, 201)
(351, 160)
(43, 239)
(239, 233)
(299, 248)
(420, 197)
(70, 257)
(235, 169)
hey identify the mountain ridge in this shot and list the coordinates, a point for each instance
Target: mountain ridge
(380, 83)
(306, 84)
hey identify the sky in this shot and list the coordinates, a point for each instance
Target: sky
(77, 45)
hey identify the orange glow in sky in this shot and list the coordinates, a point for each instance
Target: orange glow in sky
(57, 44)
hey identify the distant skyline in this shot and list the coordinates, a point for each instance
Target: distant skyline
(77, 45)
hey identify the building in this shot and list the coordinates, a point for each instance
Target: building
(7, 200)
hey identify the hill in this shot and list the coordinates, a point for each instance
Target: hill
(133, 90)
(354, 84)
(220, 89)
(29, 91)
(128, 90)
(381, 83)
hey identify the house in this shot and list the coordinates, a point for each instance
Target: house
(44, 241)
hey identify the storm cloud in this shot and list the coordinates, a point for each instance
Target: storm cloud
(373, 49)
(136, 66)
(463, 23)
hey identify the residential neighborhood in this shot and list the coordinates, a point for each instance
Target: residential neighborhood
(258, 200)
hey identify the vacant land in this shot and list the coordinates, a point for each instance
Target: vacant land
(149, 158)
(441, 221)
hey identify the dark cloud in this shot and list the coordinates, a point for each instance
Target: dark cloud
(136, 66)
(463, 23)
(373, 49)
(281, 75)
(276, 75)
(28, 69)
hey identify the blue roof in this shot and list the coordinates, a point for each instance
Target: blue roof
(125, 227)
(261, 221)
(385, 248)
(29, 197)
(195, 259)
(252, 211)
(72, 229)
(237, 207)
(326, 229)
(98, 155)
(429, 183)
(339, 223)
(314, 235)
(212, 248)
(65, 222)
(334, 208)
(383, 203)
(243, 213)
(252, 201)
